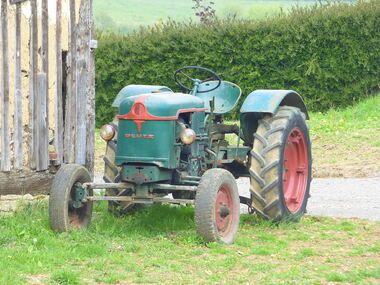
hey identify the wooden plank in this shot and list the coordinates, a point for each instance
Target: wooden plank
(5, 150)
(82, 81)
(70, 118)
(18, 151)
(33, 85)
(1, 82)
(42, 125)
(90, 151)
(15, 182)
(67, 110)
(58, 135)
(16, 1)
(81, 118)
(73, 76)
(45, 66)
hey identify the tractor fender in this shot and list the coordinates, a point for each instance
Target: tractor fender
(268, 101)
(260, 102)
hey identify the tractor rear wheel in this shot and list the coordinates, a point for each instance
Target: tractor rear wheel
(281, 165)
(217, 206)
(112, 175)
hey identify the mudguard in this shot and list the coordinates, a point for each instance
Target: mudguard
(260, 102)
(268, 101)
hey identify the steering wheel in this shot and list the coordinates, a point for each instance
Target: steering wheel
(181, 71)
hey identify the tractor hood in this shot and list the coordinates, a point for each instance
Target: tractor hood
(133, 90)
(159, 106)
(147, 128)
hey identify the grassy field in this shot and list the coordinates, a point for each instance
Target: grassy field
(159, 246)
(346, 142)
(126, 15)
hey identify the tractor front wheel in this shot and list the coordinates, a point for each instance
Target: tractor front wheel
(217, 206)
(281, 165)
(66, 210)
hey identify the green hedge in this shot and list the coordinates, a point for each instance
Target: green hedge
(329, 54)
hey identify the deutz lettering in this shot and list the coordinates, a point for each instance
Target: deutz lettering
(135, 136)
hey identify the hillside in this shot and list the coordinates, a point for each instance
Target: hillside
(126, 15)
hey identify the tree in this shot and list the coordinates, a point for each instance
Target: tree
(204, 9)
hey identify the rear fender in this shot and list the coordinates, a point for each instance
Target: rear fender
(261, 102)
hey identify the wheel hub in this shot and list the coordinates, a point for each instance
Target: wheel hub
(77, 205)
(223, 210)
(80, 195)
(295, 174)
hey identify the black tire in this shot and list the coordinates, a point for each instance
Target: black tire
(267, 170)
(112, 175)
(212, 183)
(62, 215)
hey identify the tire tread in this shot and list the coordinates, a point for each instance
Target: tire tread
(265, 159)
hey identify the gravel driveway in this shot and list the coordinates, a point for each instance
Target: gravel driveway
(338, 197)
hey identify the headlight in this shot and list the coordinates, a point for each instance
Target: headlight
(107, 132)
(188, 136)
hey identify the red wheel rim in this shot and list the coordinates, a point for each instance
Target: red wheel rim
(224, 211)
(296, 172)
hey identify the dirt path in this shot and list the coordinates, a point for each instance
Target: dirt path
(339, 197)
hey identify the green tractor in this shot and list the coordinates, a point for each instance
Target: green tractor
(163, 143)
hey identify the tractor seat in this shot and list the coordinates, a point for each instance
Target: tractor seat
(227, 96)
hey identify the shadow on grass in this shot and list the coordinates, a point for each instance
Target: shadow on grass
(155, 220)
(160, 221)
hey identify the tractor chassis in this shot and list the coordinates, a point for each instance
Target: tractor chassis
(147, 198)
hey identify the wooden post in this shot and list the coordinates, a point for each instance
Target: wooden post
(83, 47)
(5, 159)
(90, 151)
(81, 113)
(70, 118)
(1, 81)
(42, 124)
(18, 152)
(45, 60)
(73, 74)
(45, 70)
(58, 140)
(33, 84)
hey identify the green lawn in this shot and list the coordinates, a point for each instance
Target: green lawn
(160, 246)
(130, 14)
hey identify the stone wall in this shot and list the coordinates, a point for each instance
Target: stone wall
(9, 203)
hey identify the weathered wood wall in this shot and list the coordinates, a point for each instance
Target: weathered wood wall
(46, 93)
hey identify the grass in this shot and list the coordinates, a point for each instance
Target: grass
(345, 141)
(127, 15)
(160, 246)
